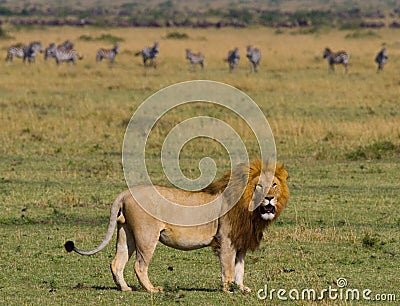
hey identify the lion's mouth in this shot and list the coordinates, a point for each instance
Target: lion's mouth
(267, 212)
(267, 209)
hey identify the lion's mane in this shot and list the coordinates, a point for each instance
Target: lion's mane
(247, 226)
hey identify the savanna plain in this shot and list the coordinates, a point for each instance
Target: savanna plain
(338, 134)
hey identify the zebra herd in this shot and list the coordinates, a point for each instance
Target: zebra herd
(342, 57)
(27, 53)
(62, 53)
(253, 55)
(65, 52)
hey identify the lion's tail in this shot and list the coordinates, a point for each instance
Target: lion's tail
(115, 208)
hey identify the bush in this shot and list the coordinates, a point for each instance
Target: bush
(104, 37)
(369, 241)
(243, 15)
(110, 38)
(349, 24)
(362, 34)
(373, 151)
(85, 38)
(5, 11)
(4, 34)
(177, 35)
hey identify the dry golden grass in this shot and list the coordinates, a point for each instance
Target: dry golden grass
(303, 101)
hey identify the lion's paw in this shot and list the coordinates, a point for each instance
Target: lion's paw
(244, 289)
(228, 287)
(227, 290)
(126, 288)
(157, 289)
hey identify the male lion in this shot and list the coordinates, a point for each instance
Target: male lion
(230, 236)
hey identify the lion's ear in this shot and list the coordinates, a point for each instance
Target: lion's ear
(280, 172)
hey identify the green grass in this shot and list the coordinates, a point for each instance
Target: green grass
(330, 230)
(61, 132)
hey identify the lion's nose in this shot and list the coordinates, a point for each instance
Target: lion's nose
(269, 198)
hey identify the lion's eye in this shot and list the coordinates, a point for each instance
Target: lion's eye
(274, 185)
(259, 186)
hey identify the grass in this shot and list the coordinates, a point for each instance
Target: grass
(60, 164)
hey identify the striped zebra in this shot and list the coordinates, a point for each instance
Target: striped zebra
(33, 47)
(63, 55)
(381, 59)
(340, 57)
(233, 59)
(149, 53)
(25, 52)
(109, 54)
(65, 46)
(195, 58)
(254, 56)
(48, 51)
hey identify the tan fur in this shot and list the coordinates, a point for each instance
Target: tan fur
(230, 236)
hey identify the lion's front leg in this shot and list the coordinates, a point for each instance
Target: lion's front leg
(227, 270)
(227, 256)
(239, 272)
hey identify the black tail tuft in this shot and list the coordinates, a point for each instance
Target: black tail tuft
(69, 246)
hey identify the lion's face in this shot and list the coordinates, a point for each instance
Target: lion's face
(266, 197)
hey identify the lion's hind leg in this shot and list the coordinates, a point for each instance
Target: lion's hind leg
(145, 247)
(124, 250)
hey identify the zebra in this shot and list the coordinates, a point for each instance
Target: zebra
(340, 57)
(33, 47)
(195, 58)
(17, 51)
(48, 51)
(233, 59)
(149, 53)
(62, 55)
(65, 46)
(25, 52)
(254, 56)
(381, 58)
(109, 54)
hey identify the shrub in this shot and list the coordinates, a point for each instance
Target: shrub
(373, 151)
(110, 38)
(177, 35)
(4, 34)
(362, 34)
(368, 241)
(103, 37)
(85, 38)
